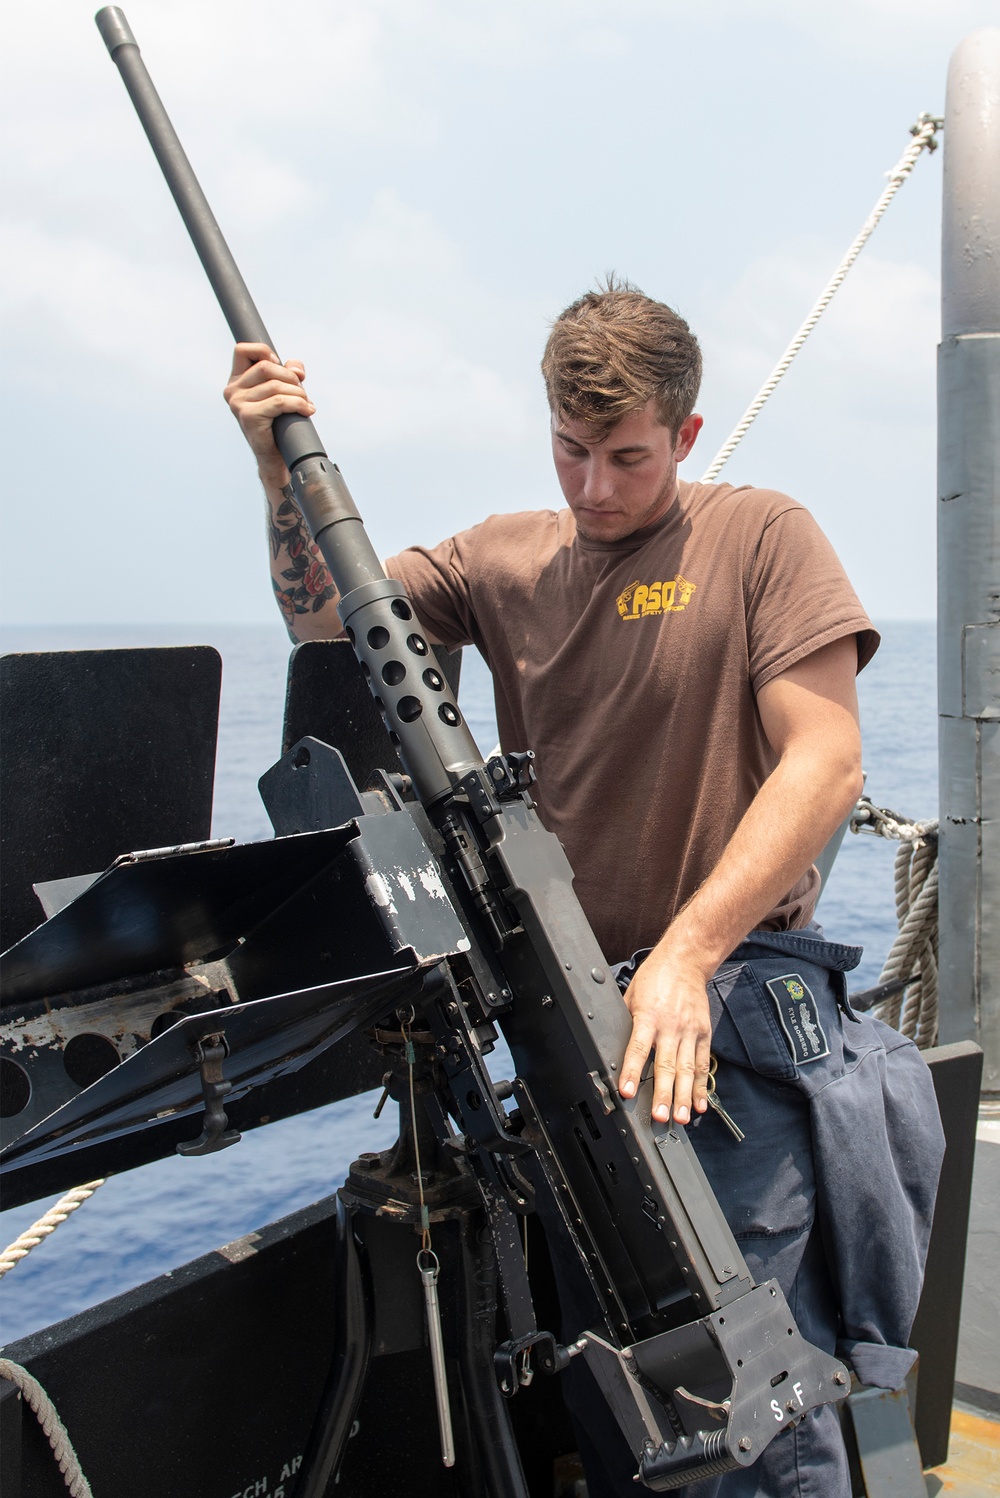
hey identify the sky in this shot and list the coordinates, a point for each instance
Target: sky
(413, 190)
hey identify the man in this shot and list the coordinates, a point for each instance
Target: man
(682, 658)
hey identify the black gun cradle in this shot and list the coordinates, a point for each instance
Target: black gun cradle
(429, 908)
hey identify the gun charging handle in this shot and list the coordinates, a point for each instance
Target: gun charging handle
(419, 710)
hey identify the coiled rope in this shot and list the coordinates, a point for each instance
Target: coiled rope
(55, 1431)
(924, 133)
(46, 1224)
(913, 1008)
(32, 1391)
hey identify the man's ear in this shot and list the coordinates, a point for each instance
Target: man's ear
(687, 435)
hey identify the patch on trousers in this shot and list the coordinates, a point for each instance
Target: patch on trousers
(799, 1018)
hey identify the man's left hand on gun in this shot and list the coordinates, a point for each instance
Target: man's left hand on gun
(668, 1002)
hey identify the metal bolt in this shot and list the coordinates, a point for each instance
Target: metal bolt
(840, 1378)
(744, 1443)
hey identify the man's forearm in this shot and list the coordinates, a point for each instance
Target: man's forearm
(303, 589)
(260, 388)
(789, 822)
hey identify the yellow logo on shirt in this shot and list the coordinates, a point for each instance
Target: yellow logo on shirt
(641, 600)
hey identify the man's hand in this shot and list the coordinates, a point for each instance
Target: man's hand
(260, 388)
(669, 1007)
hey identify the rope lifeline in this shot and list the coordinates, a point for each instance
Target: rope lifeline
(55, 1431)
(31, 1237)
(924, 133)
(914, 953)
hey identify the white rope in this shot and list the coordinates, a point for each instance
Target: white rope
(914, 953)
(924, 133)
(55, 1431)
(47, 1224)
(867, 817)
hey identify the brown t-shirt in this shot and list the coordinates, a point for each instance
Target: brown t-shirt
(630, 668)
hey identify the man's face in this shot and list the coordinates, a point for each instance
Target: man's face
(625, 480)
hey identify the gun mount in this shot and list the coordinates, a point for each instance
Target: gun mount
(449, 913)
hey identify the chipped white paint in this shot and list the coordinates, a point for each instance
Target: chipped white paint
(431, 881)
(125, 1019)
(405, 885)
(378, 888)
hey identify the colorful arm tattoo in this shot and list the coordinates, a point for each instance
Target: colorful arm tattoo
(304, 586)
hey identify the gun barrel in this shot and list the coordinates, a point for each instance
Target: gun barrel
(299, 435)
(423, 719)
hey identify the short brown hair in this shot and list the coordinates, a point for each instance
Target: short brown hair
(615, 349)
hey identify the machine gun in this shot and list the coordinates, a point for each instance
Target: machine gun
(479, 926)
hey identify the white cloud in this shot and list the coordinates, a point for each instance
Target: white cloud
(395, 237)
(850, 19)
(889, 310)
(603, 41)
(406, 376)
(850, 26)
(263, 193)
(409, 383)
(98, 299)
(238, 70)
(880, 329)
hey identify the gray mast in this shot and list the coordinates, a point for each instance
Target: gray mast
(969, 553)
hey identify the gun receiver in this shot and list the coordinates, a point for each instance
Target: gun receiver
(700, 1365)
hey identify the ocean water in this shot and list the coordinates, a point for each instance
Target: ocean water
(147, 1221)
